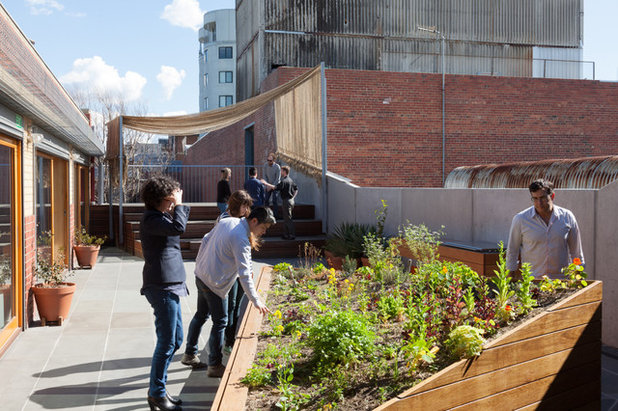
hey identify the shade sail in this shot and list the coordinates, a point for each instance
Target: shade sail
(214, 119)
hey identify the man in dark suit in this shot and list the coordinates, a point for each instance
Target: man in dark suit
(163, 221)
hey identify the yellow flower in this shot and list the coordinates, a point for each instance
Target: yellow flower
(278, 314)
(298, 334)
(280, 328)
(444, 270)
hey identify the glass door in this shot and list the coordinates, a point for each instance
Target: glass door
(10, 239)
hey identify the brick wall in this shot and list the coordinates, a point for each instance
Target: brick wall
(385, 129)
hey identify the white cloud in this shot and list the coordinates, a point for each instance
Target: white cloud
(46, 7)
(94, 74)
(170, 78)
(184, 13)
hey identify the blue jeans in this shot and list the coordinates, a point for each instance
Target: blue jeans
(222, 207)
(199, 318)
(234, 299)
(218, 309)
(273, 194)
(168, 325)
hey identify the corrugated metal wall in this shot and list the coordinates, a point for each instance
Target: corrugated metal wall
(589, 172)
(493, 37)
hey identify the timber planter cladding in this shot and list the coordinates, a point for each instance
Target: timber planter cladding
(551, 361)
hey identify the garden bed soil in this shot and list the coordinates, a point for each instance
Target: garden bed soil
(550, 358)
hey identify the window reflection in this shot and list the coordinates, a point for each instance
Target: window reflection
(7, 266)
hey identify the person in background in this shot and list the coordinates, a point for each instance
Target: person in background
(223, 189)
(224, 256)
(239, 205)
(255, 188)
(544, 235)
(272, 175)
(162, 223)
(288, 190)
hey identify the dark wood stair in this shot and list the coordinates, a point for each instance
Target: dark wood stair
(202, 220)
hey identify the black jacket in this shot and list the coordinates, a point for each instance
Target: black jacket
(160, 236)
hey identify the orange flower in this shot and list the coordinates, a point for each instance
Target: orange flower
(508, 307)
(444, 270)
(577, 261)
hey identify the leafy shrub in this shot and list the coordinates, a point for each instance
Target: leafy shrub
(391, 307)
(347, 239)
(340, 337)
(422, 242)
(465, 341)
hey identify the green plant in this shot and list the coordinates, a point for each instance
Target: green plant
(465, 341)
(524, 291)
(340, 337)
(289, 399)
(418, 351)
(574, 272)
(257, 376)
(51, 272)
(503, 290)
(349, 265)
(391, 307)
(381, 214)
(82, 237)
(421, 241)
(347, 239)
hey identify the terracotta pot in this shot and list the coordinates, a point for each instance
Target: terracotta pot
(86, 254)
(53, 303)
(333, 261)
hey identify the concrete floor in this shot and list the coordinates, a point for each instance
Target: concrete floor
(100, 358)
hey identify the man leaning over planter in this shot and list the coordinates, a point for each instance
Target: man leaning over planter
(544, 235)
(224, 256)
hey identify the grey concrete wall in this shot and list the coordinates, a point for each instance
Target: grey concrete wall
(485, 215)
(606, 258)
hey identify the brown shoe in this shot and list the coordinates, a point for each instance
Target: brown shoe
(215, 371)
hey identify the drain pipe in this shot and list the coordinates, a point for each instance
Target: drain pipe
(324, 151)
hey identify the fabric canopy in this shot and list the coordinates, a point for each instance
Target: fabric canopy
(214, 119)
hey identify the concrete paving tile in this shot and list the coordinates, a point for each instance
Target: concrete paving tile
(131, 319)
(609, 383)
(60, 400)
(74, 344)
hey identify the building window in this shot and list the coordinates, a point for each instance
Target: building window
(206, 103)
(225, 101)
(225, 52)
(206, 80)
(205, 55)
(225, 77)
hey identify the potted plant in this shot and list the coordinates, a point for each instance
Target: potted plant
(53, 295)
(346, 240)
(87, 247)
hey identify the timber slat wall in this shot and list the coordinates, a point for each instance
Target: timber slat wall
(541, 363)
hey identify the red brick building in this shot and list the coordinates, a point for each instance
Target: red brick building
(385, 128)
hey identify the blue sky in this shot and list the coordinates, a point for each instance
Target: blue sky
(147, 49)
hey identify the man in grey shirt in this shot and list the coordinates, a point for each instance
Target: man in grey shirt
(544, 235)
(272, 175)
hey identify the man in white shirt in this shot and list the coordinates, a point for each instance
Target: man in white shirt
(544, 235)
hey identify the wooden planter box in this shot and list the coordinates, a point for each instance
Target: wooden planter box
(483, 263)
(551, 361)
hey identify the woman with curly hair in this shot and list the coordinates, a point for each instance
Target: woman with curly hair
(162, 223)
